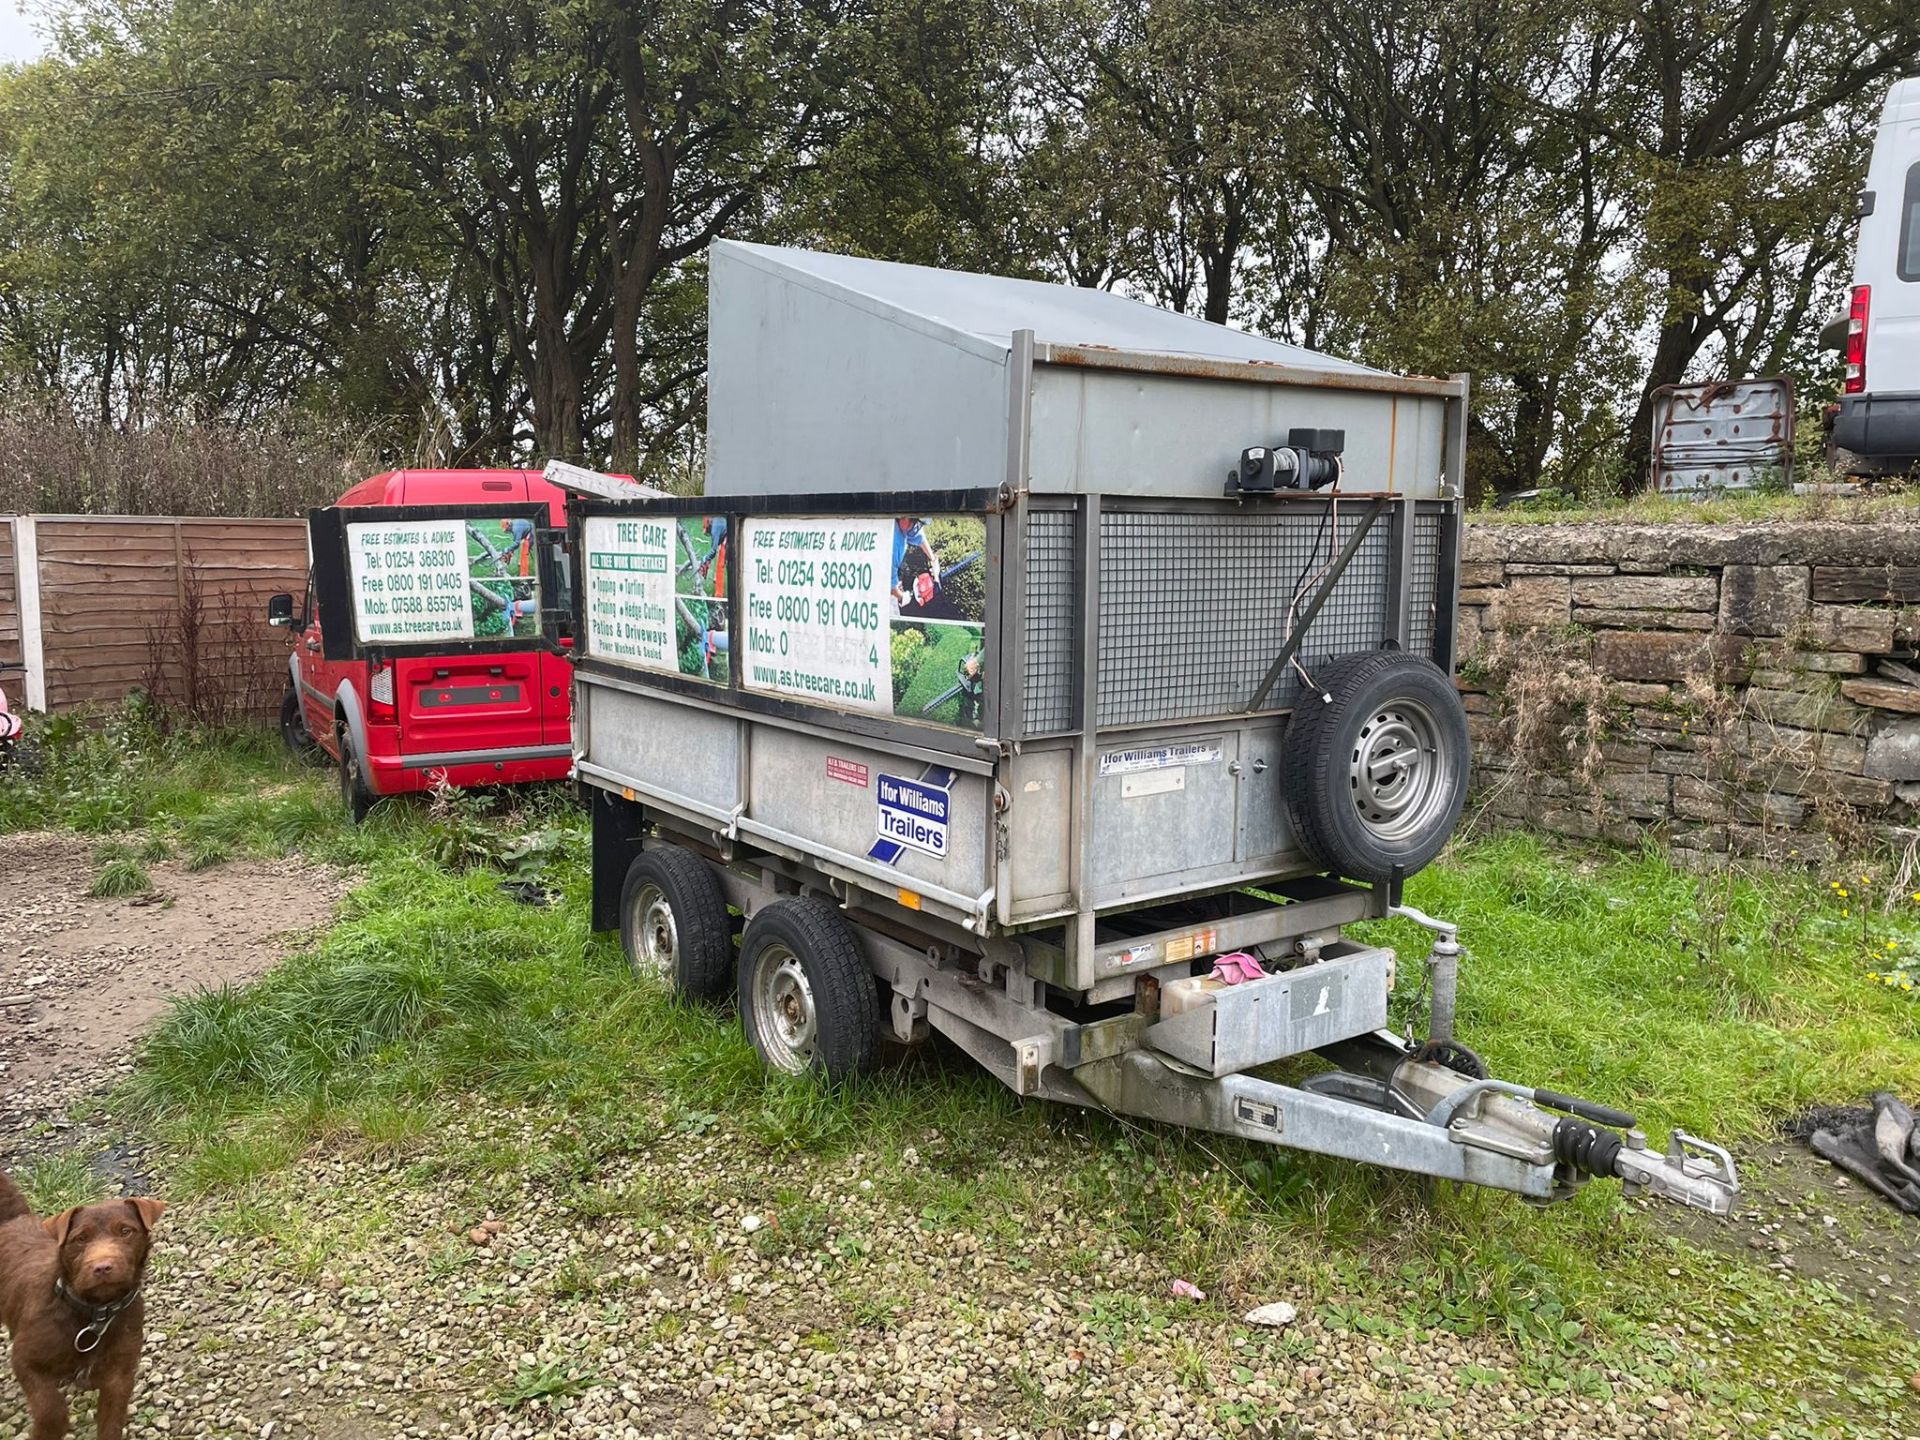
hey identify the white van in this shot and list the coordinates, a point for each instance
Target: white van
(1879, 416)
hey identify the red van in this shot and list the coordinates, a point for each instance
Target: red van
(408, 722)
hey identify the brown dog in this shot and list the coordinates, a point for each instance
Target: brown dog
(70, 1297)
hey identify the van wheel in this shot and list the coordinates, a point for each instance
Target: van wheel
(293, 728)
(806, 994)
(1375, 773)
(355, 793)
(674, 923)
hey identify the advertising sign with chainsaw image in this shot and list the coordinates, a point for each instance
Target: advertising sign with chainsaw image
(656, 594)
(938, 626)
(883, 615)
(446, 579)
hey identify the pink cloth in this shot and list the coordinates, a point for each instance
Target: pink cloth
(1232, 969)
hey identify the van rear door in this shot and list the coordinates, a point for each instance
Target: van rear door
(1875, 428)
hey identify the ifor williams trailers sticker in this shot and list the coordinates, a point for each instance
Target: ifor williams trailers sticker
(1159, 757)
(913, 814)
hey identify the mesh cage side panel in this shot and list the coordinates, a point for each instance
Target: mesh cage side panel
(1047, 703)
(1193, 608)
(1420, 585)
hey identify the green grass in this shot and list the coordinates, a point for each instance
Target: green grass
(121, 876)
(127, 776)
(1647, 509)
(1718, 1004)
(205, 853)
(550, 1380)
(1722, 1004)
(58, 1183)
(938, 671)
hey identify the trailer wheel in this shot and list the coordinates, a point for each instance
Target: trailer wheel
(674, 924)
(806, 994)
(1375, 773)
(355, 793)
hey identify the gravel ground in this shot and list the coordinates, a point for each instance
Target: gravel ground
(1799, 1216)
(81, 979)
(666, 1297)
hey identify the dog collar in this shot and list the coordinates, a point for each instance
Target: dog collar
(99, 1318)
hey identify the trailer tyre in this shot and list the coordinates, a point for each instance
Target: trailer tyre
(674, 923)
(1375, 770)
(806, 994)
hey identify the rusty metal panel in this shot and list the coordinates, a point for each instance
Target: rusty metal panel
(1723, 435)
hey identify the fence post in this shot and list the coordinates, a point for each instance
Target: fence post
(26, 569)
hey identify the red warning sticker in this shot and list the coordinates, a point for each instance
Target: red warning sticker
(848, 772)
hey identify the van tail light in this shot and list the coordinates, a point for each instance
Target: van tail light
(1856, 382)
(380, 692)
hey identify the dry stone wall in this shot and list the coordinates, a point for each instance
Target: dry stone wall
(1742, 689)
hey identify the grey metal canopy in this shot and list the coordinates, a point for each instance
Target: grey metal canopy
(993, 307)
(829, 373)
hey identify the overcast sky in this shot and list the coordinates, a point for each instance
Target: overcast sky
(18, 40)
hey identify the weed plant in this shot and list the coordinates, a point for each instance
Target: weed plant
(118, 877)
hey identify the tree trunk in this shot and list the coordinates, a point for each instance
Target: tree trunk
(1680, 340)
(636, 258)
(1218, 258)
(556, 390)
(1533, 420)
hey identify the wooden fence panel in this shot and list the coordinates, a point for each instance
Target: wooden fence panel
(175, 607)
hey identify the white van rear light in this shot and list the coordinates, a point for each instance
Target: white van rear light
(1856, 381)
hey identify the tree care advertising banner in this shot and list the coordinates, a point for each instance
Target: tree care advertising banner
(463, 579)
(656, 593)
(879, 615)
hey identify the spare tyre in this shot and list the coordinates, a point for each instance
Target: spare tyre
(1375, 764)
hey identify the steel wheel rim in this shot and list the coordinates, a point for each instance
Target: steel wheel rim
(656, 935)
(1400, 775)
(785, 1022)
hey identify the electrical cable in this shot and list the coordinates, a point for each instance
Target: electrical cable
(1304, 584)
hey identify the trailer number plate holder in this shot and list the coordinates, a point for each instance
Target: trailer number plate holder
(1260, 1113)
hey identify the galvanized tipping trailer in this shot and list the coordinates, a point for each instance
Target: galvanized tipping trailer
(1060, 674)
(993, 703)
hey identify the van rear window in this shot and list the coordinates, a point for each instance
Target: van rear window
(1907, 264)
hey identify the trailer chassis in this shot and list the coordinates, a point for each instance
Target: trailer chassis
(1387, 1101)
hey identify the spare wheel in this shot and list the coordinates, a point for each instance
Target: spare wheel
(1375, 767)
